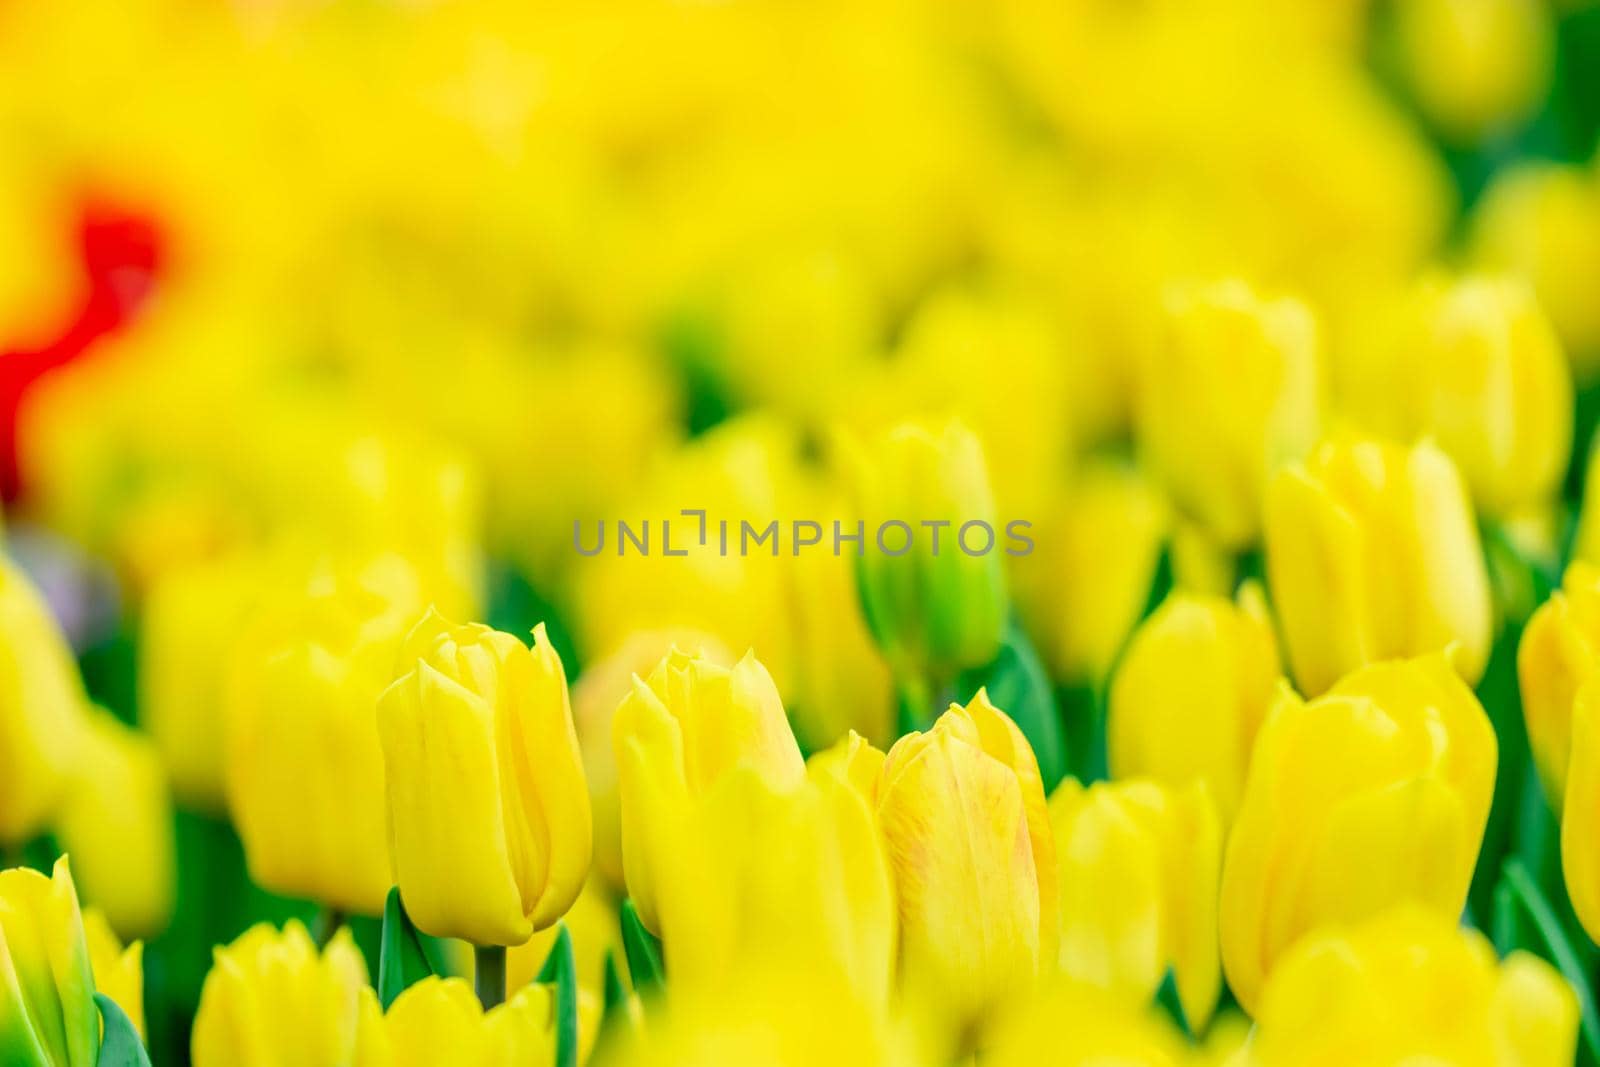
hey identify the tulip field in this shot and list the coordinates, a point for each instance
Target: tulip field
(799, 533)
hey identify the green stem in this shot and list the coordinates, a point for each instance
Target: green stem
(1548, 926)
(490, 974)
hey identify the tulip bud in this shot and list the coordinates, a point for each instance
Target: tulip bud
(1087, 584)
(1373, 993)
(1077, 1025)
(48, 1017)
(1372, 795)
(1139, 864)
(1476, 66)
(1541, 222)
(1191, 691)
(679, 733)
(1492, 388)
(489, 824)
(1586, 545)
(271, 999)
(118, 972)
(305, 767)
(192, 617)
(1372, 554)
(1558, 653)
(439, 1020)
(963, 812)
(933, 610)
(116, 824)
(1234, 391)
(1580, 809)
(41, 707)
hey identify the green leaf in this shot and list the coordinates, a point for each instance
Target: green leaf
(119, 1041)
(401, 958)
(616, 993)
(1018, 685)
(561, 970)
(1172, 1004)
(1549, 940)
(643, 952)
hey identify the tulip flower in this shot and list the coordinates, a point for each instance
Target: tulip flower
(1410, 986)
(1139, 865)
(1490, 384)
(489, 824)
(963, 812)
(1580, 809)
(271, 999)
(1078, 1025)
(48, 1017)
(1234, 390)
(1191, 691)
(933, 610)
(1558, 653)
(1372, 795)
(1586, 545)
(1540, 221)
(116, 823)
(304, 762)
(41, 707)
(1372, 553)
(1477, 67)
(118, 971)
(676, 735)
(438, 1020)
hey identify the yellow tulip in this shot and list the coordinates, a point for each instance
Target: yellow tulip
(118, 971)
(271, 1000)
(1559, 652)
(1410, 987)
(1541, 222)
(1076, 1025)
(731, 904)
(679, 733)
(1372, 795)
(48, 1017)
(439, 1020)
(1191, 691)
(1587, 544)
(1139, 867)
(192, 617)
(935, 609)
(41, 707)
(305, 779)
(1477, 66)
(116, 823)
(963, 812)
(1580, 810)
(592, 922)
(1234, 390)
(489, 824)
(1086, 584)
(1372, 553)
(1493, 389)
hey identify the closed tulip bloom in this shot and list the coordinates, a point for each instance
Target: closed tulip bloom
(489, 824)
(1586, 546)
(305, 766)
(1372, 795)
(1233, 391)
(1410, 987)
(1372, 554)
(1079, 1025)
(48, 1017)
(1492, 388)
(1580, 811)
(1476, 66)
(118, 971)
(41, 707)
(272, 1000)
(1191, 691)
(439, 1020)
(933, 612)
(819, 903)
(1558, 653)
(1139, 865)
(116, 823)
(678, 733)
(963, 812)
